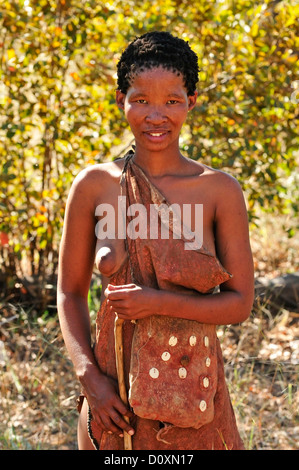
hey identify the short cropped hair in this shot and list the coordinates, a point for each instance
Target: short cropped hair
(154, 49)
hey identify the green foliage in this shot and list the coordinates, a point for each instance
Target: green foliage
(58, 113)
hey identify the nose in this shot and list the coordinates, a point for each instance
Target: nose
(156, 115)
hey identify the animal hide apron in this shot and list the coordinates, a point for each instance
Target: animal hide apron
(166, 355)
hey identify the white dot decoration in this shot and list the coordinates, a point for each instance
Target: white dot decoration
(208, 362)
(202, 406)
(154, 373)
(165, 356)
(182, 373)
(206, 382)
(172, 341)
(206, 341)
(192, 340)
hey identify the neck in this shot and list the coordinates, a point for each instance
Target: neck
(158, 164)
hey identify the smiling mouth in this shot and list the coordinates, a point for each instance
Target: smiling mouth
(156, 133)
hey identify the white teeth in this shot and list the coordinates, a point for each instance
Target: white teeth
(156, 135)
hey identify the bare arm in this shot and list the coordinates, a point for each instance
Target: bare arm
(76, 262)
(234, 301)
(75, 269)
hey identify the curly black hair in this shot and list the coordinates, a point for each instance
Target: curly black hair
(154, 49)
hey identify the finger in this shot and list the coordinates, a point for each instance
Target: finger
(116, 424)
(121, 423)
(117, 303)
(110, 426)
(117, 295)
(97, 418)
(129, 414)
(121, 310)
(112, 288)
(120, 286)
(113, 311)
(110, 293)
(122, 409)
(124, 315)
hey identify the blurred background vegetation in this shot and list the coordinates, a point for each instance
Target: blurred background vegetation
(58, 115)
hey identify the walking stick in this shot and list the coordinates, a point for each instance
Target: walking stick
(119, 352)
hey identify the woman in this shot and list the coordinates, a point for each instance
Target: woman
(148, 277)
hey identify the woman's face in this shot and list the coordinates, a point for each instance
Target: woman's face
(156, 106)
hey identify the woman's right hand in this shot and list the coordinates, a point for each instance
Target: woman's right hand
(106, 407)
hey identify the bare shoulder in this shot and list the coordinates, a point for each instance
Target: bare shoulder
(219, 179)
(224, 185)
(95, 180)
(100, 173)
(92, 185)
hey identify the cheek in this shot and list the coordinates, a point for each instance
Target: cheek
(179, 117)
(133, 117)
(183, 112)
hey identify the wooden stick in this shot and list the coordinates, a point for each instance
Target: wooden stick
(119, 352)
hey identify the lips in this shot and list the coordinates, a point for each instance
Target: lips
(156, 134)
(156, 137)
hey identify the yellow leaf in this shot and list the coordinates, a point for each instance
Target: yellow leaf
(255, 30)
(292, 58)
(75, 76)
(11, 54)
(41, 217)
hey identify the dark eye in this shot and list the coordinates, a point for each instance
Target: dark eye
(172, 101)
(141, 101)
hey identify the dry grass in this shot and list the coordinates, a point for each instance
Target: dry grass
(38, 386)
(262, 370)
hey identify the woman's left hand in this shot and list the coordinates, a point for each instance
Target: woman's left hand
(131, 301)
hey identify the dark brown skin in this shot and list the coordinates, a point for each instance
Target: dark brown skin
(157, 102)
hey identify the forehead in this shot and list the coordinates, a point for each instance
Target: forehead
(160, 78)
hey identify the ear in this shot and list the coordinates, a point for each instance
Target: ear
(120, 99)
(192, 101)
